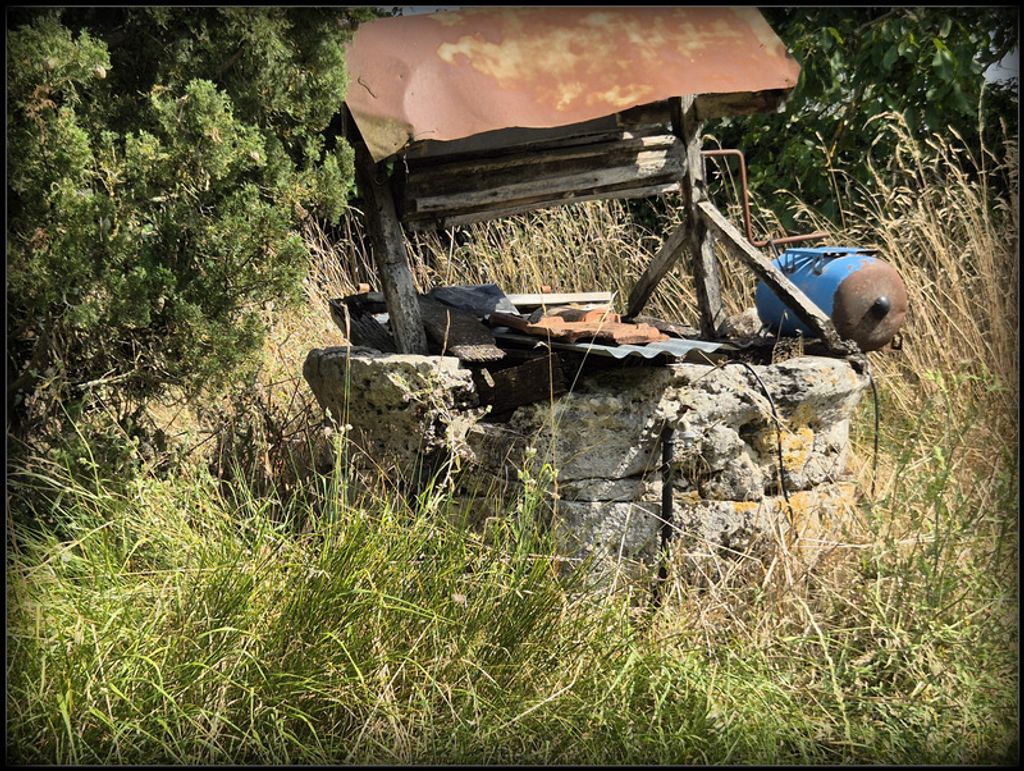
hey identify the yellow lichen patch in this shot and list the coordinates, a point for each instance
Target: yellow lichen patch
(803, 414)
(690, 496)
(744, 506)
(813, 510)
(796, 447)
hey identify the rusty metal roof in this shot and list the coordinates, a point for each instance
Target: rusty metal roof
(451, 75)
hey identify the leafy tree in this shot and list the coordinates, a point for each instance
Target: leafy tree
(926, 63)
(158, 162)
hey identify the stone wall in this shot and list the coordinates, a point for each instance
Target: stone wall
(603, 442)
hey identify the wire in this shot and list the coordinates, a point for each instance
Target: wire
(778, 432)
(874, 459)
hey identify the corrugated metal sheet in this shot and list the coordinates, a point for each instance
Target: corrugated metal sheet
(451, 75)
(671, 350)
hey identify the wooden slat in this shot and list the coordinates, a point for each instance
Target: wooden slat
(494, 144)
(588, 173)
(638, 121)
(791, 295)
(558, 298)
(484, 173)
(494, 211)
(387, 243)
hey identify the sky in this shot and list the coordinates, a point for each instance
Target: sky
(1006, 69)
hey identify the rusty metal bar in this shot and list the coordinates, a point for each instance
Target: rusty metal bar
(725, 152)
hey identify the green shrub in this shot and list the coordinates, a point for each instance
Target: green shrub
(159, 160)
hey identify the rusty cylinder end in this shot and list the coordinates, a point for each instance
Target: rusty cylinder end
(870, 305)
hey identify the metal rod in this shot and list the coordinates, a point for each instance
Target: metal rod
(748, 226)
(668, 434)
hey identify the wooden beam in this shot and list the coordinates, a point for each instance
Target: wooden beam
(535, 300)
(493, 211)
(387, 243)
(701, 244)
(691, 236)
(458, 333)
(453, 190)
(742, 103)
(656, 270)
(788, 292)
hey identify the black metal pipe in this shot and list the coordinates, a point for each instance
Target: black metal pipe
(668, 444)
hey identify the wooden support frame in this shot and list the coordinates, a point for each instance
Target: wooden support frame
(692, 236)
(706, 275)
(805, 310)
(656, 270)
(387, 242)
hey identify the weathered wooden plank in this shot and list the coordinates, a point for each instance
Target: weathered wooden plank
(589, 173)
(387, 244)
(507, 209)
(707, 281)
(493, 144)
(504, 390)
(483, 173)
(742, 103)
(656, 269)
(806, 311)
(558, 298)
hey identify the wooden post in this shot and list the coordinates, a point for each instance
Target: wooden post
(790, 293)
(387, 243)
(701, 243)
(691, 236)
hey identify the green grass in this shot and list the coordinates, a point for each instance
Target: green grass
(185, 621)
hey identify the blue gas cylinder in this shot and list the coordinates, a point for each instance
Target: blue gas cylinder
(864, 295)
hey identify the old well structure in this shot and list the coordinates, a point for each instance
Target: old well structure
(467, 116)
